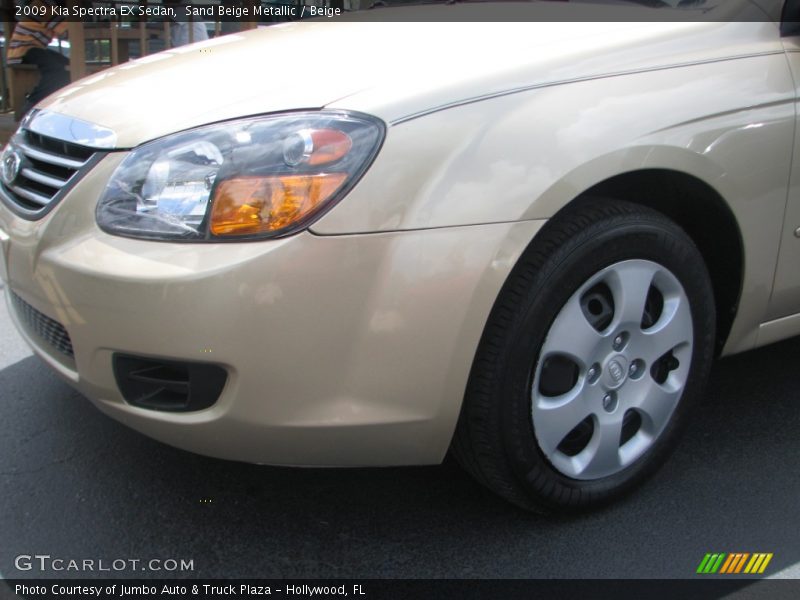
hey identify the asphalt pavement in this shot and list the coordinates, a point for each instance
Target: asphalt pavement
(77, 485)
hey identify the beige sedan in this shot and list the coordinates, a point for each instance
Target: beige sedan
(525, 242)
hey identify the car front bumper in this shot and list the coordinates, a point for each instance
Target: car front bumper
(340, 350)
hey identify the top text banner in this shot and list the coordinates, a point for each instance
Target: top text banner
(268, 12)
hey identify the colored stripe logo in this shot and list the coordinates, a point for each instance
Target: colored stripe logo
(734, 563)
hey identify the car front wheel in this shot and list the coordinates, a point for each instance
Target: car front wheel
(598, 344)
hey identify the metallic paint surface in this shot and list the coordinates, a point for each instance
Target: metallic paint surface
(351, 343)
(341, 350)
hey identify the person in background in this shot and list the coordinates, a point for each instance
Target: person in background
(28, 45)
(179, 33)
(180, 28)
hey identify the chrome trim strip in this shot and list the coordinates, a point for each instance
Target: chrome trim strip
(53, 159)
(47, 180)
(13, 204)
(32, 196)
(70, 129)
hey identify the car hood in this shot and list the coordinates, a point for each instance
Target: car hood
(393, 70)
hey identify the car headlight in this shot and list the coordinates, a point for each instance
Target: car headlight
(256, 177)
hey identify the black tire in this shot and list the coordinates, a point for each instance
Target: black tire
(495, 439)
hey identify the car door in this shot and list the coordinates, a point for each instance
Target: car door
(785, 301)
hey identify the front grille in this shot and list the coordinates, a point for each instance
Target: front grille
(48, 167)
(44, 327)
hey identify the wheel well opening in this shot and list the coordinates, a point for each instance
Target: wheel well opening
(700, 211)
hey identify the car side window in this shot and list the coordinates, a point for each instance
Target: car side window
(790, 18)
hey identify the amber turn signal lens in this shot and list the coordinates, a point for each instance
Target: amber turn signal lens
(252, 205)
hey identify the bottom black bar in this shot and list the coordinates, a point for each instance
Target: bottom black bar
(387, 589)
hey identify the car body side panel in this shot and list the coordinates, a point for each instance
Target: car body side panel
(527, 155)
(523, 156)
(786, 292)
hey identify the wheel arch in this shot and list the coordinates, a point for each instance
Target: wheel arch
(701, 211)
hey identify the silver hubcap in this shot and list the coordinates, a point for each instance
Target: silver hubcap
(612, 369)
